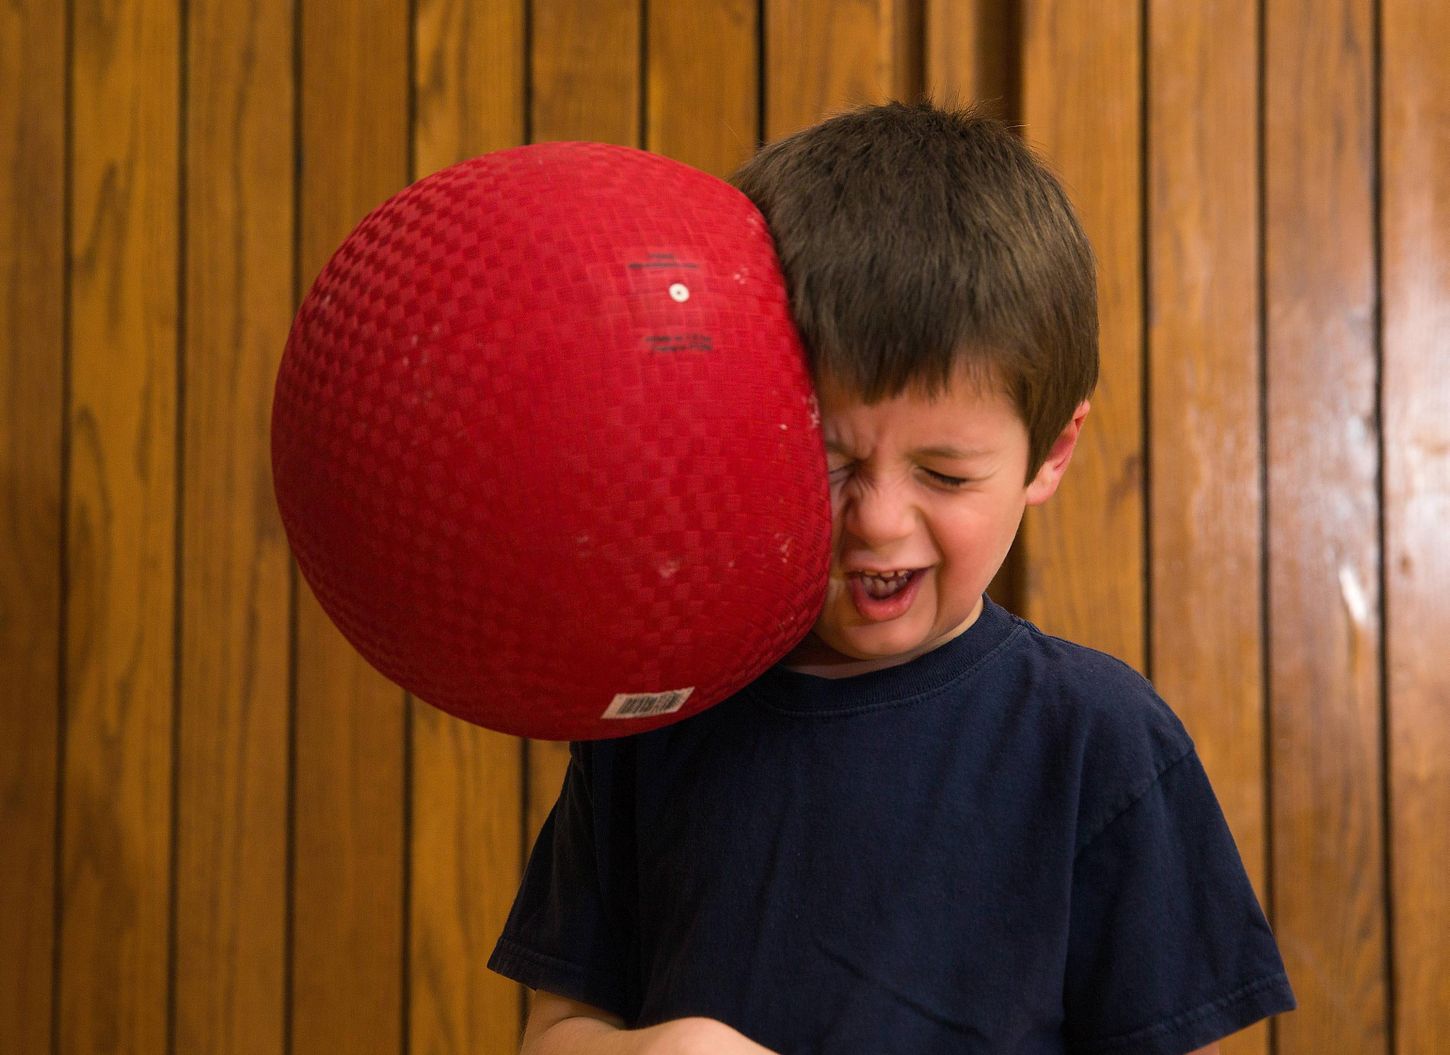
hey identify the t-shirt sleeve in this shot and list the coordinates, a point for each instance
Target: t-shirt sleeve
(1168, 949)
(569, 930)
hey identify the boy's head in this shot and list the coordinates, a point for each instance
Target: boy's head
(945, 294)
(920, 242)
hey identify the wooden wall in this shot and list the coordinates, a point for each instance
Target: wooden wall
(221, 831)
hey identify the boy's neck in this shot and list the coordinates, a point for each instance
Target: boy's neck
(813, 656)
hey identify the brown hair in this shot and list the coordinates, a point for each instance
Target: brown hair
(917, 241)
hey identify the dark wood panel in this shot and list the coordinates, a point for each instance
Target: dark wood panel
(1204, 403)
(585, 71)
(469, 80)
(1082, 570)
(823, 56)
(115, 887)
(702, 82)
(902, 32)
(466, 864)
(466, 824)
(348, 957)
(1324, 625)
(231, 889)
(1415, 173)
(32, 343)
(973, 54)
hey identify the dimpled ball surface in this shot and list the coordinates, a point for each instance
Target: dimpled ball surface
(544, 443)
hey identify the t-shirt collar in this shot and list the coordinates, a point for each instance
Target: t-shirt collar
(795, 692)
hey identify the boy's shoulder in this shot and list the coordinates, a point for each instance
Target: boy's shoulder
(1111, 725)
(1088, 681)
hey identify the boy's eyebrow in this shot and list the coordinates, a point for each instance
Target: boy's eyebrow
(950, 452)
(933, 452)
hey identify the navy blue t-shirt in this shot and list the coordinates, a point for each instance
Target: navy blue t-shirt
(1007, 844)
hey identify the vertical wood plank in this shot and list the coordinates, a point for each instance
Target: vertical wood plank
(1083, 571)
(586, 85)
(32, 343)
(901, 51)
(1415, 172)
(466, 865)
(1324, 621)
(468, 80)
(348, 909)
(824, 56)
(586, 77)
(703, 83)
(973, 54)
(1204, 397)
(466, 820)
(116, 824)
(232, 824)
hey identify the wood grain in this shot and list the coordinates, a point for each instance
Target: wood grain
(901, 62)
(1083, 562)
(468, 80)
(824, 56)
(973, 53)
(465, 854)
(32, 346)
(1415, 172)
(1324, 626)
(231, 881)
(1204, 403)
(703, 83)
(585, 65)
(466, 864)
(115, 887)
(192, 946)
(349, 842)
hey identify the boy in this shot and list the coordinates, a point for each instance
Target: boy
(931, 828)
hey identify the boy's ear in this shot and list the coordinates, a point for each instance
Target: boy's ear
(1044, 484)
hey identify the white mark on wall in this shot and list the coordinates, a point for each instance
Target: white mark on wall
(1352, 593)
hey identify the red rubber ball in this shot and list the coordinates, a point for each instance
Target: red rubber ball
(545, 446)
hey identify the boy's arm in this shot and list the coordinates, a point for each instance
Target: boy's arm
(560, 1026)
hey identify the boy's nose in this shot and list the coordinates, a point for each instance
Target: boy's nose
(878, 515)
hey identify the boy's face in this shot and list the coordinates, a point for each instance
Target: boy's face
(896, 506)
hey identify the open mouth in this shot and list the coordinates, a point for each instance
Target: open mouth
(881, 597)
(881, 587)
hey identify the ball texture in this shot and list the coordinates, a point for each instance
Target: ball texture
(545, 446)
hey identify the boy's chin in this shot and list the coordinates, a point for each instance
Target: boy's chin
(817, 657)
(816, 651)
(872, 645)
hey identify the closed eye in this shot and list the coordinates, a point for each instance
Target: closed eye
(941, 478)
(947, 481)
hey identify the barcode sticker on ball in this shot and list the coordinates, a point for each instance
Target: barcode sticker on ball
(647, 704)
